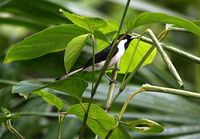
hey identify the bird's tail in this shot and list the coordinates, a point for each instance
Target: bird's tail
(68, 74)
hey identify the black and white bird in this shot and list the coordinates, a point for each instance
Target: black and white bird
(123, 42)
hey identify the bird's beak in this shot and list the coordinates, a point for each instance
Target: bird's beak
(134, 37)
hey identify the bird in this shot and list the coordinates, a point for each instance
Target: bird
(123, 42)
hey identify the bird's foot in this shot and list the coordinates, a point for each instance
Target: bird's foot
(113, 81)
(110, 80)
(116, 68)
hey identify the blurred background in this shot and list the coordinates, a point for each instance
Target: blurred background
(21, 18)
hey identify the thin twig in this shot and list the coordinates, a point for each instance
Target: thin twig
(60, 120)
(12, 129)
(102, 72)
(175, 51)
(165, 57)
(127, 102)
(112, 49)
(112, 87)
(83, 126)
(182, 54)
(152, 88)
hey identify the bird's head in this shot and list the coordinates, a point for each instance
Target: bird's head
(128, 38)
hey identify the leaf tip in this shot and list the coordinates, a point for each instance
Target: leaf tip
(7, 61)
(61, 10)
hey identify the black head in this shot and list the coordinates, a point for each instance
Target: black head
(127, 37)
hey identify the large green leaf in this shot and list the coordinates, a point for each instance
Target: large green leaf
(68, 86)
(41, 12)
(50, 98)
(145, 126)
(89, 23)
(72, 86)
(141, 50)
(99, 121)
(49, 40)
(148, 17)
(73, 50)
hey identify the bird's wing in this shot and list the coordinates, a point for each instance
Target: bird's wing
(100, 56)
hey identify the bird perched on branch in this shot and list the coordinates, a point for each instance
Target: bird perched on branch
(123, 42)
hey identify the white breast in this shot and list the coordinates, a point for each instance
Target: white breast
(114, 60)
(121, 50)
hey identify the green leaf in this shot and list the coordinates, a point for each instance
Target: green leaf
(148, 17)
(68, 86)
(24, 88)
(40, 12)
(50, 98)
(142, 49)
(112, 26)
(72, 86)
(88, 23)
(145, 126)
(73, 50)
(108, 32)
(47, 41)
(99, 121)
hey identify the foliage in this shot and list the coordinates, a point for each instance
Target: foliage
(55, 27)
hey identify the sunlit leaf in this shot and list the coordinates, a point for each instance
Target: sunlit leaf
(50, 98)
(47, 41)
(73, 50)
(141, 50)
(99, 121)
(145, 126)
(88, 23)
(108, 32)
(148, 17)
(112, 26)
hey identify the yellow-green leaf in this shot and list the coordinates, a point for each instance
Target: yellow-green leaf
(88, 23)
(141, 50)
(73, 50)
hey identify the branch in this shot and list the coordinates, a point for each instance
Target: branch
(112, 87)
(165, 57)
(175, 51)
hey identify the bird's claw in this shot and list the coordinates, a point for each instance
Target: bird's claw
(113, 81)
(116, 68)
